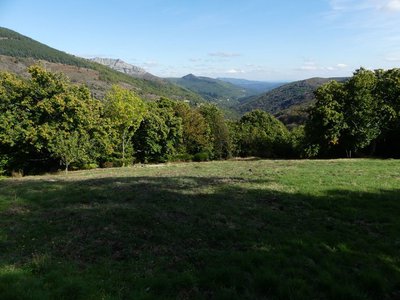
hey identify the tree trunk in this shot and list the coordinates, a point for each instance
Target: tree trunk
(123, 151)
(373, 148)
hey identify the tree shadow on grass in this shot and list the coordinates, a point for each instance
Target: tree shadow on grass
(195, 237)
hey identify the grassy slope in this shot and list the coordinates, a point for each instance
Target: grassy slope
(222, 230)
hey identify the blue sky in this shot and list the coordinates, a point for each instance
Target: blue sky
(253, 39)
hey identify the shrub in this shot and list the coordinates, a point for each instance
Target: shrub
(202, 156)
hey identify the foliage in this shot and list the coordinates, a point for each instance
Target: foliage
(125, 111)
(260, 134)
(221, 141)
(349, 117)
(34, 112)
(196, 131)
(71, 147)
(160, 133)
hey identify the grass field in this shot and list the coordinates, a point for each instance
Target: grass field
(217, 230)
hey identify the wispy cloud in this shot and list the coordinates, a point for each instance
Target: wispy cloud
(311, 66)
(195, 59)
(224, 54)
(235, 71)
(392, 6)
(341, 66)
(352, 6)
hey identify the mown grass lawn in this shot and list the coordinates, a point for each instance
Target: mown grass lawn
(258, 229)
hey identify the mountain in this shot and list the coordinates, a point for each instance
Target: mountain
(289, 102)
(252, 86)
(213, 90)
(18, 52)
(293, 97)
(123, 67)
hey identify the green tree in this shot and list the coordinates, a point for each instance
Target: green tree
(160, 133)
(34, 111)
(70, 147)
(260, 134)
(347, 117)
(326, 120)
(219, 131)
(361, 112)
(196, 131)
(126, 111)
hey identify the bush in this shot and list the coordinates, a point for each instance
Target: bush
(202, 156)
(89, 166)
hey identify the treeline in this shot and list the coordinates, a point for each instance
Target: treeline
(47, 123)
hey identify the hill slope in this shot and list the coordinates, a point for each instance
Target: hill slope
(17, 52)
(252, 86)
(289, 102)
(213, 90)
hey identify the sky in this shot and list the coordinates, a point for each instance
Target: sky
(269, 40)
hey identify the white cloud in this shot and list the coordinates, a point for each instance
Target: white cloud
(392, 6)
(224, 54)
(310, 65)
(344, 6)
(351, 5)
(235, 71)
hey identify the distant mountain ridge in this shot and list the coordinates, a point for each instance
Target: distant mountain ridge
(253, 86)
(213, 90)
(123, 67)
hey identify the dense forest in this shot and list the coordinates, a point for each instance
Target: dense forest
(48, 123)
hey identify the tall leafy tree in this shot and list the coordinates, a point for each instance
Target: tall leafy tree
(219, 130)
(361, 112)
(38, 110)
(327, 119)
(126, 111)
(196, 131)
(70, 147)
(347, 117)
(261, 134)
(160, 133)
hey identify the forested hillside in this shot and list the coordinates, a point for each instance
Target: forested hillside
(285, 96)
(213, 90)
(19, 52)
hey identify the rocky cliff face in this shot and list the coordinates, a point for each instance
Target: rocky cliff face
(123, 67)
